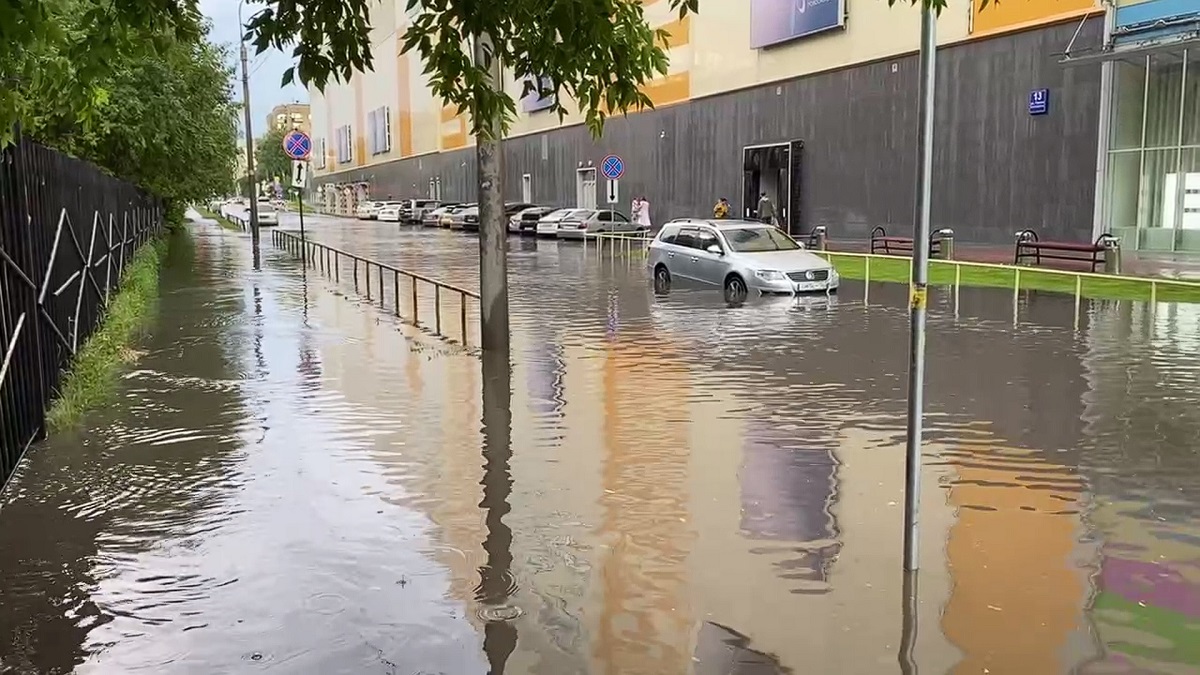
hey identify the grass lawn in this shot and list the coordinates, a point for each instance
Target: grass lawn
(941, 273)
(221, 220)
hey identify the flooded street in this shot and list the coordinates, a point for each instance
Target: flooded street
(292, 480)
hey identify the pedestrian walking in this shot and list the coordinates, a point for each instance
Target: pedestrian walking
(766, 209)
(721, 209)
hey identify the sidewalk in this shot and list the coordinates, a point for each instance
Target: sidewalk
(1164, 266)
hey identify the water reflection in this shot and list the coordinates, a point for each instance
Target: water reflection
(652, 484)
(496, 581)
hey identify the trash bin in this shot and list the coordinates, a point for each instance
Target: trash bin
(818, 238)
(1112, 254)
(945, 239)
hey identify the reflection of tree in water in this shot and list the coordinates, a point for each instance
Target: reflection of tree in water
(496, 581)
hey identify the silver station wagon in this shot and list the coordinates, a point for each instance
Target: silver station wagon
(739, 256)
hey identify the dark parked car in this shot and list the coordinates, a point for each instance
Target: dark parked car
(471, 219)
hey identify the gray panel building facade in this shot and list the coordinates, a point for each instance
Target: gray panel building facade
(836, 148)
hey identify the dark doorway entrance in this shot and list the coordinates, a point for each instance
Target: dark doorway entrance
(773, 169)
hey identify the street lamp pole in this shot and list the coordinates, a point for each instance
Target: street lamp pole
(251, 183)
(918, 293)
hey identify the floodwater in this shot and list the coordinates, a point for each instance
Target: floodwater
(291, 481)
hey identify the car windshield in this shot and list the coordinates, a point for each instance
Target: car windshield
(759, 240)
(578, 214)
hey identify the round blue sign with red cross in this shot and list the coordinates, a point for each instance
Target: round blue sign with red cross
(297, 145)
(612, 167)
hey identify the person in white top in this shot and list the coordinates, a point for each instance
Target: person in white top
(640, 211)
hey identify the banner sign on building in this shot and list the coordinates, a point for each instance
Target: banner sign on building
(1143, 19)
(776, 21)
(534, 101)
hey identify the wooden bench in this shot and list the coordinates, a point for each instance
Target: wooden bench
(1030, 247)
(882, 243)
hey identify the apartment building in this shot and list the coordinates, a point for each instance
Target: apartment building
(1073, 117)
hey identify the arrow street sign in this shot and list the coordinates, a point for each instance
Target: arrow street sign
(297, 144)
(299, 173)
(613, 192)
(612, 167)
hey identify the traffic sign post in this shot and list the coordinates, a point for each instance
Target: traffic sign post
(613, 194)
(613, 167)
(297, 144)
(299, 173)
(299, 180)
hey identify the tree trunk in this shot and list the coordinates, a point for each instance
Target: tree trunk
(493, 232)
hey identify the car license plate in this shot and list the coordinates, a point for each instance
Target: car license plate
(810, 286)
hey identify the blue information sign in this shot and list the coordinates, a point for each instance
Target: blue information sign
(297, 145)
(1039, 101)
(612, 167)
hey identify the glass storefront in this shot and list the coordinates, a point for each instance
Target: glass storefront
(1154, 152)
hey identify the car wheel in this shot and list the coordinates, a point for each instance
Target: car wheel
(735, 288)
(662, 279)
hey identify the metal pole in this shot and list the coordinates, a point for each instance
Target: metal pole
(918, 294)
(251, 184)
(300, 210)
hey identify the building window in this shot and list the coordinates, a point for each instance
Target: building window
(379, 130)
(345, 149)
(1153, 191)
(320, 153)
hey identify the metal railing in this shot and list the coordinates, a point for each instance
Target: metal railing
(406, 303)
(619, 243)
(67, 231)
(1152, 284)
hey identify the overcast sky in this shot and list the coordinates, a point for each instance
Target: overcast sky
(266, 69)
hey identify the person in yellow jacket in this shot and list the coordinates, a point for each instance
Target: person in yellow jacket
(721, 209)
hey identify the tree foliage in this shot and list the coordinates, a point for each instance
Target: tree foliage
(59, 51)
(158, 114)
(270, 161)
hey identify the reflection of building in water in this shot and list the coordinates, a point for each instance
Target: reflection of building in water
(1020, 584)
(558, 424)
(645, 621)
(420, 425)
(787, 492)
(1142, 420)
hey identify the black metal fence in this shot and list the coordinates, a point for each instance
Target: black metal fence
(66, 233)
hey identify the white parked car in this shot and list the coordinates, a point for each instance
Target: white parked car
(389, 211)
(739, 256)
(267, 214)
(548, 225)
(367, 210)
(596, 221)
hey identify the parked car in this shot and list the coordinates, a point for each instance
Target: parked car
(448, 218)
(413, 210)
(739, 256)
(433, 217)
(471, 218)
(595, 221)
(548, 225)
(390, 212)
(267, 213)
(465, 218)
(367, 210)
(525, 221)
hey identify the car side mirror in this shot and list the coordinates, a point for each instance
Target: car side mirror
(715, 250)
